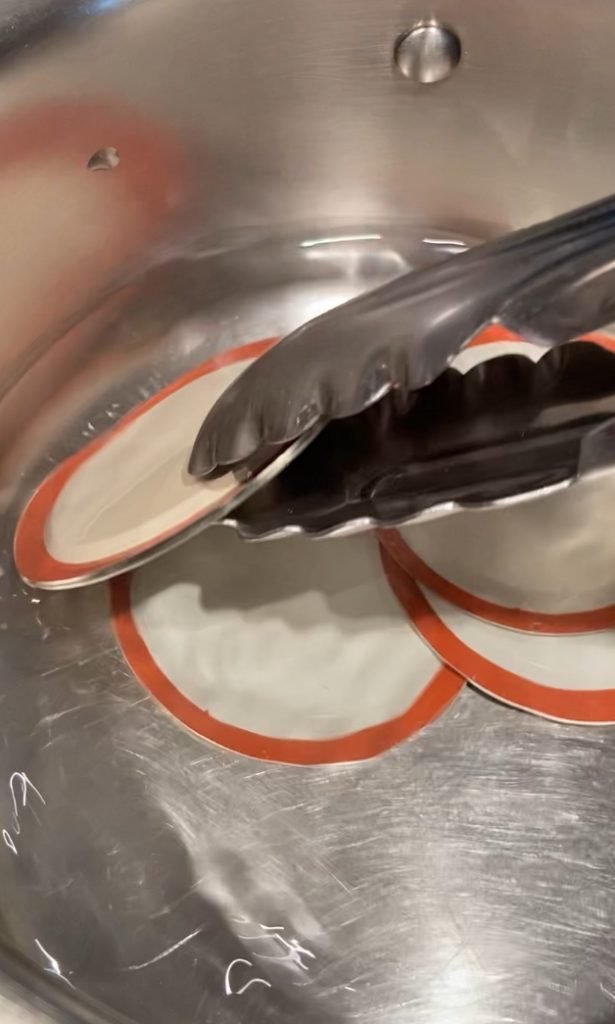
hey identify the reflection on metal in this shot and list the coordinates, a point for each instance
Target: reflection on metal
(428, 53)
(452, 245)
(311, 242)
(103, 6)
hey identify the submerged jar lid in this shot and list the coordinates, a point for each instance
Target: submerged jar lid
(128, 496)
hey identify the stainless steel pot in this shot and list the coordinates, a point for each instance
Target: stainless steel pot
(316, 149)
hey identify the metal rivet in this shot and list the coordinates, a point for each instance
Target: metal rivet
(104, 159)
(428, 53)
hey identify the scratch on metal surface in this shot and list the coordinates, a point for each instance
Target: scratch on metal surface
(292, 955)
(48, 719)
(139, 700)
(348, 891)
(61, 888)
(253, 981)
(9, 842)
(79, 662)
(26, 784)
(607, 992)
(165, 953)
(54, 966)
(134, 753)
